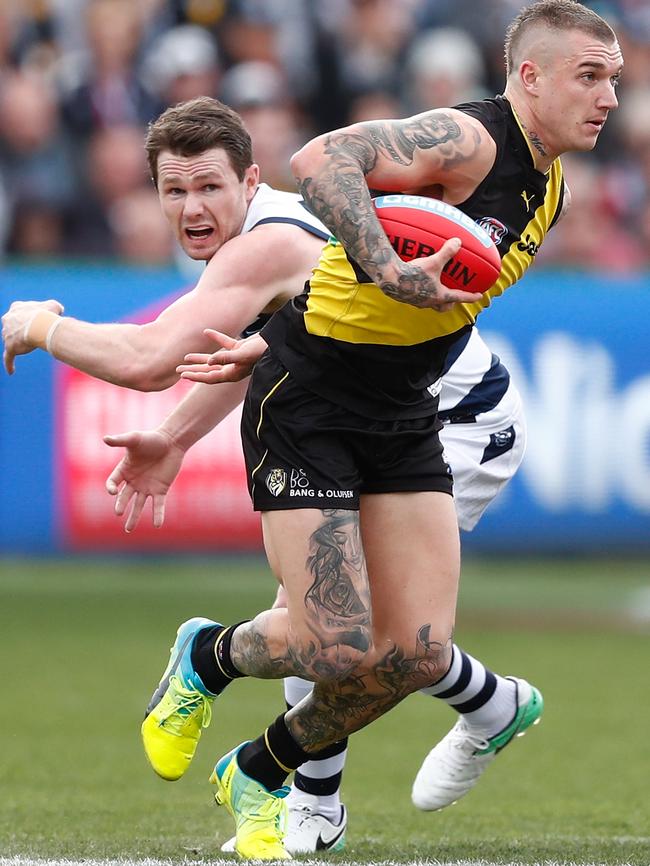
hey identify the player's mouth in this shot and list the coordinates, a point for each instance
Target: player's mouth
(200, 233)
(596, 125)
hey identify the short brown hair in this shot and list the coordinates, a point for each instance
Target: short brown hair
(558, 15)
(191, 127)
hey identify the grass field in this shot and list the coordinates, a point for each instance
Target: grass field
(83, 643)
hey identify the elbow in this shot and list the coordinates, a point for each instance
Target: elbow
(146, 377)
(142, 358)
(296, 165)
(302, 162)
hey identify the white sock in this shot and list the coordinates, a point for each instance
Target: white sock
(485, 699)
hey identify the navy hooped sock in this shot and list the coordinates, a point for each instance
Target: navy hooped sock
(486, 700)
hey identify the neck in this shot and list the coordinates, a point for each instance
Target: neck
(541, 153)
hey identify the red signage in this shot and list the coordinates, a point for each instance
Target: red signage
(208, 507)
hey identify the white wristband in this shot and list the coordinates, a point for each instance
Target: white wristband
(50, 334)
(40, 329)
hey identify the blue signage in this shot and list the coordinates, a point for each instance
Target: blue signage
(577, 345)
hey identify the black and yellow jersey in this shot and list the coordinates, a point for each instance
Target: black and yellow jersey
(344, 339)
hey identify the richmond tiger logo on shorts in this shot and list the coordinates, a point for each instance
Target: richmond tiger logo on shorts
(276, 481)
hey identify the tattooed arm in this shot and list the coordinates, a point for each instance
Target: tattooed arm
(443, 151)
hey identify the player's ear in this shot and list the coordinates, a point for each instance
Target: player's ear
(529, 74)
(251, 179)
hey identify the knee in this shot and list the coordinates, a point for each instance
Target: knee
(333, 655)
(280, 598)
(431, 667)
(400, 671)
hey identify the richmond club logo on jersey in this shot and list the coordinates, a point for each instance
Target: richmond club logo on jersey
(276, 481)
(494, 228)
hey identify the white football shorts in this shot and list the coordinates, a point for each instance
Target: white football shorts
(484, 454)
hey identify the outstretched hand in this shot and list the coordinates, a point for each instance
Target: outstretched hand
(15, 328)
(233, 362)
(151, 463)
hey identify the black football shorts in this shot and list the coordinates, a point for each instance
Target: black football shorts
(303, 451)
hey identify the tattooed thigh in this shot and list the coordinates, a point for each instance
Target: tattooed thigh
(332, 631)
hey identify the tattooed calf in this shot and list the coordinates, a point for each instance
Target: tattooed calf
(336, 709)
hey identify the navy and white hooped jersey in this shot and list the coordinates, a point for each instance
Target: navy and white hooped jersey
(270, 205)
(473, 382)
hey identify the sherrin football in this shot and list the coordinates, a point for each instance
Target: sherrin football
(418, 226)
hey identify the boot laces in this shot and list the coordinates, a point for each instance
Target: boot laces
(185, 702)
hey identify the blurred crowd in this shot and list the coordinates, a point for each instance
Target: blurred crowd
(80, 80)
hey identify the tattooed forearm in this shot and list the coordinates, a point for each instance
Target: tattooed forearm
(339, 194)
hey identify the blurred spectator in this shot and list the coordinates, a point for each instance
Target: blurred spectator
(141, 232)
(37, 230)
(591, 237)
(181, 64)
(30, 38)
(644, 231)
(356, 47)
(5, 217)
(9, 27)
(258, 91)
(375, 105)
(443, 67)
(79, 80)
(100, 84)
(372, 39)
(115, 168)
(484, 22)
(265, 30)
(68, 21)
(252, 36)
(207, 13)
(35, 160)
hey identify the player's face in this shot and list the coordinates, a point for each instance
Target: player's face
(203, 199)
(577, 90)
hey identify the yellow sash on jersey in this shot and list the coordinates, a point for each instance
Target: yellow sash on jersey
(341, 308)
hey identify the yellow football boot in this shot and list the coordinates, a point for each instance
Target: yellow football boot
(260, 815)
(179, 709)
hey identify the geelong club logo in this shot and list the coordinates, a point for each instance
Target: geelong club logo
(276, 481)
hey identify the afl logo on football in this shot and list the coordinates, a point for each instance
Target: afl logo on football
(494, 228)
(276, 481)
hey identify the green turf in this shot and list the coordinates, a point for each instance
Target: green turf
(83, 643)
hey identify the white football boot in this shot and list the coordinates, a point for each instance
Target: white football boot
(455, 765)
(306, 830)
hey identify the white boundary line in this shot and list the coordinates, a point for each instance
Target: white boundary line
(183, 861)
